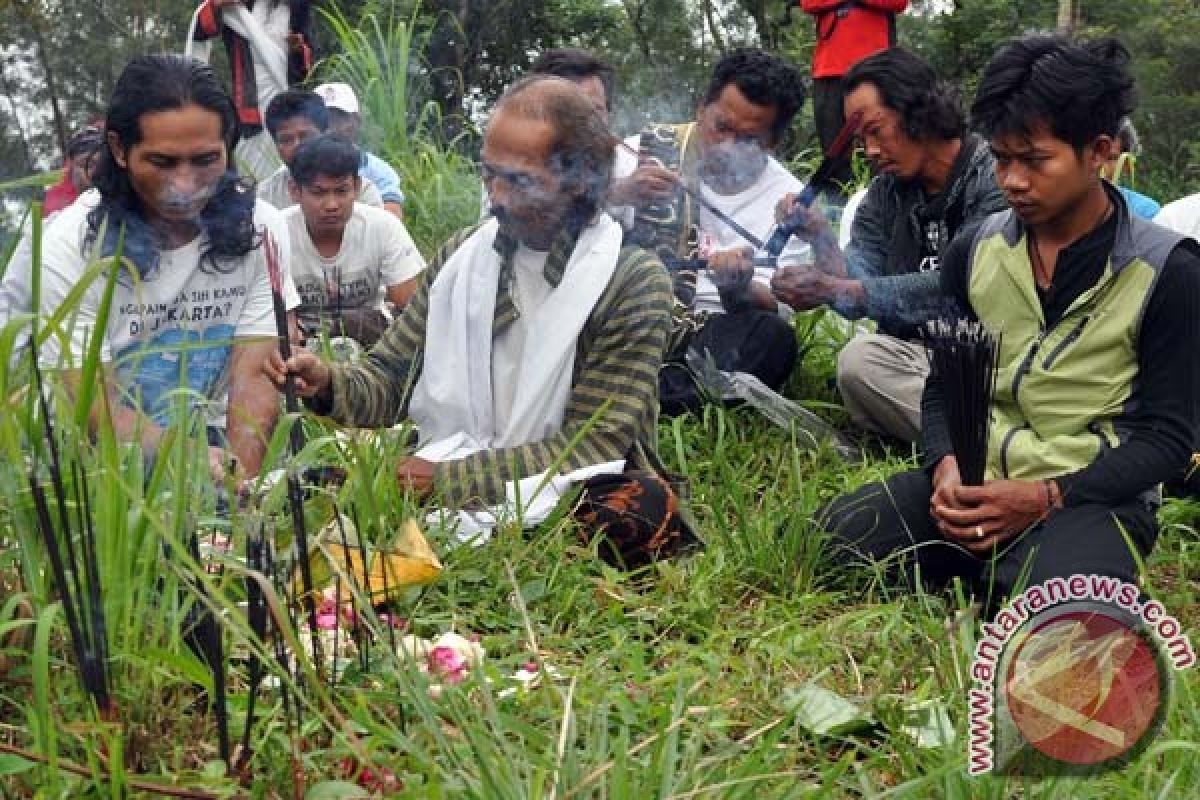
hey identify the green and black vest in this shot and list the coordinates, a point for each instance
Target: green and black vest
(1061, 392)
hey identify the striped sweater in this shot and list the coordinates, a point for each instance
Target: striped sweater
(617, 359)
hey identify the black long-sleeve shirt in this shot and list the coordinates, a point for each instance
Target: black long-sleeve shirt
(1163, 425)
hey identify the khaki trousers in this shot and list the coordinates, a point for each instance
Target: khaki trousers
(881, 379)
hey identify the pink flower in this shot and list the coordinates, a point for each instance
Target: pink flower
(326, 622)
(448, 663)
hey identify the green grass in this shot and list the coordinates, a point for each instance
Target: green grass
(676, 682)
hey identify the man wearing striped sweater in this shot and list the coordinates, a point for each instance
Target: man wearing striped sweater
(549, 333)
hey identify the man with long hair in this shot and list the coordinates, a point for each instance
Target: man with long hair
(1097, 393)
(192, 307)
(934, 179)
(532, 343)
(847, 32)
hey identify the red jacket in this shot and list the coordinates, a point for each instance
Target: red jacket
(61, 194)
(849, 31)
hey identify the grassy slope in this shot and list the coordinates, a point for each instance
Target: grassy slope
(676, 682)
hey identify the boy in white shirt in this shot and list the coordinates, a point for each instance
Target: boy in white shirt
(350, 261)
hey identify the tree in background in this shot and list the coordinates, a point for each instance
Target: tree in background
(1163, 35)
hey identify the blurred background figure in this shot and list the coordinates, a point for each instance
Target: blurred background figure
(77, 170)
(346, 121)
(269, 49)
(1121, 166)
(293, 117)
(847, 32)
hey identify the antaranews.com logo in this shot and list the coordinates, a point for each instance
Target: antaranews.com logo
(1072, 676)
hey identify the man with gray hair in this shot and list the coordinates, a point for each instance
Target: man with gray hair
(550, 333)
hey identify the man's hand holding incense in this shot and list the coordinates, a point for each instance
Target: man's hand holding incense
(982, 518)
(416, 475)
(802, 287)
(649, 183)
(813, 227)
(312, 375)
(732, 267)
(812, 222)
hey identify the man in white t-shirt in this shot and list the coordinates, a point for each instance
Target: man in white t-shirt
(192, 305)
(349, 261)
(1182, 215)
(725, 157)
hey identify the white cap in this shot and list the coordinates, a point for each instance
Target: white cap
(339, 96)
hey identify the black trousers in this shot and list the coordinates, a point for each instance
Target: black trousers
(889, 524)
(829, 115)
(760, 343)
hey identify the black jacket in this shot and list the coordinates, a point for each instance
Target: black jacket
(899, 233)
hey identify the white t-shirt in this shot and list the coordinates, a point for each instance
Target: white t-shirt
(174, 328)
(529, 291)
(274, 189)
(16, 288)
(1183, 216)
(376, 253)
(846, 224)
(754, 210)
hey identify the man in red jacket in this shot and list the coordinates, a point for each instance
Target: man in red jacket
(847, 32)
(78, 166)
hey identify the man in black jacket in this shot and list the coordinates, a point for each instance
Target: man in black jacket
(1097, 393)
(933, 179)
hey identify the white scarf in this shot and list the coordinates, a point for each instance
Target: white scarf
(256, 155)
(452, 403)
(454, 392)
(268, 53)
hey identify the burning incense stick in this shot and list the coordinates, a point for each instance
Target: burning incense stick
(206, 638)
(295, 442)
(962, 357)
(256, 617)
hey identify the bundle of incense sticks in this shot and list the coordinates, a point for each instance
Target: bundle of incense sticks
(70, 542)
(962, 357)
(295, 441)
(256, 617)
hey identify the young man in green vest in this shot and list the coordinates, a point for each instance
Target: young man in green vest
(1096, 397)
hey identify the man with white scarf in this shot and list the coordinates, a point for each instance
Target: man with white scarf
(550, 334)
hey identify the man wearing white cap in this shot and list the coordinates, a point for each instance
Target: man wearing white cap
(345, 122)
